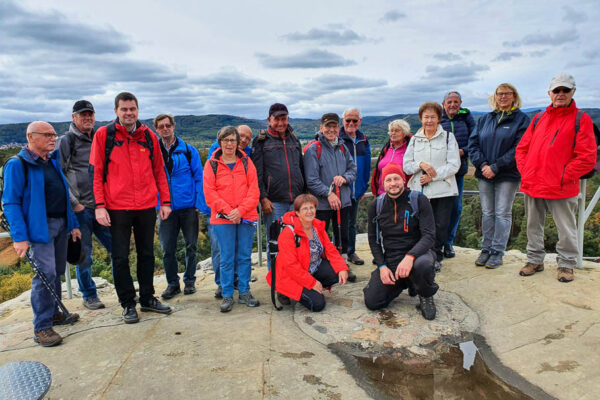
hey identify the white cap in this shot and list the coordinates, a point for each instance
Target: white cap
(562, 80)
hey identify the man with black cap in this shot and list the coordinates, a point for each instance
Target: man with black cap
(401, 236)
(75, 147)
(330, 170)
(277, 156)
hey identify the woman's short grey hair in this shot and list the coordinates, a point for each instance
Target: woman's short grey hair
(400, 123)
(227, 131)
(351, 110)
(492, 100)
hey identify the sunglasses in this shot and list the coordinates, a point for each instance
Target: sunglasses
(561, 90)
(354, 121)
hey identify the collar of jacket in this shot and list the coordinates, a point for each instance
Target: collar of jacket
(73, 129)
(561, 111)
(172, 147)
(462, 112)
(359, 135)
(280, 136)
(138, 125)
(219, 152)
(325, 142)
(421, 132)
(31, 157)
(290, 218)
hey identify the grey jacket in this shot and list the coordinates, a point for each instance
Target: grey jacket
(319, 172)
(74, 152)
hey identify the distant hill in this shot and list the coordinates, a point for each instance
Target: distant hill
(202, 129)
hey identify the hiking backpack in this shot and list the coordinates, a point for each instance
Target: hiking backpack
(413, 199)
(169, 160)
(274, 231)
(109, 144)
(319, 149)
(578, 116)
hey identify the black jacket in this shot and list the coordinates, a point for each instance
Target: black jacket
(402, 234)
(279, 165)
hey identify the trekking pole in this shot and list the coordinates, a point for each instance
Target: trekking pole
(4, 224)
(339, 220)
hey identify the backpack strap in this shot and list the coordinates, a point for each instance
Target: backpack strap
(536, 119)
(413, 199)
(378, 207)
(109, 145)
(188, 155)
(577, 123)
(149, 143)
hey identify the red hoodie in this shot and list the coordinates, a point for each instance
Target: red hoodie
(293, 262)
(550, 160)
(133, 181)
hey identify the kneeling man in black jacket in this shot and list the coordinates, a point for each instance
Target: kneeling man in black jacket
(401, 235)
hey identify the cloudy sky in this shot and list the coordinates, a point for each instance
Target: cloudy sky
(238, 57)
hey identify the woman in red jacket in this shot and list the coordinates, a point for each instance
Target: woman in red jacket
(303, 271)
(231, 191)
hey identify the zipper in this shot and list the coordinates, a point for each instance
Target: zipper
(562, 177)
(287, 162)
(395, 213)
(554, 138)
(356, 162)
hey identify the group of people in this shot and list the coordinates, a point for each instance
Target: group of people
(112, 181)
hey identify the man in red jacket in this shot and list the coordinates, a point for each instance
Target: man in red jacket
(551, 157)
(129, 175)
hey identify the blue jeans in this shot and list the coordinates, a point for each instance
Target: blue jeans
(235, 245)
(186, 220)
(278, 210)
(352, 226)
(51, 259)
(88, 226)
(215, 254)
(456, 211)
(496, 207)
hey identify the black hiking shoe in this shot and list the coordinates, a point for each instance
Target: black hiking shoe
(130, 315)
(189, 288)
(427, 307)
(170, 292)
(219, 293)
(283, 300)
(155, 306)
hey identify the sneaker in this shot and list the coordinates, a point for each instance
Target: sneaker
(355, 259)
(227, 304)
(248, 299)
(482, 259)
(155, 306)
(47, 337)
(62, 319)
(427, 307)
(283, 300)
(130, 315)
(351, 275)
(170, 292)
(449, 251)
(93, 303)
(219, 293)
(494, 261)
(189, 288)
(565, 274)
(531, 268)
(437, 266)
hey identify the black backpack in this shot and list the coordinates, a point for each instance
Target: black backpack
(580, 113)
(274, 231)
(109, 144)
(25, 169)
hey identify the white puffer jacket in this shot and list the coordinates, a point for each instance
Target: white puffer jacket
(441, 152)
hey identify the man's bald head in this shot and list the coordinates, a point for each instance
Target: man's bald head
(41, 138)
(39, 126)
(245, 136)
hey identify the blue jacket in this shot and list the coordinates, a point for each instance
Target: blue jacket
(185, 178)
(462, 126)
(25, 208)
(495, 141)
(361, 154)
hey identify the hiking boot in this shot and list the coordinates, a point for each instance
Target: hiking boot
(155, 306)
(483, 258)
(494, 261)
(449, 251)
(248, 299)
(130, 315)
(437, 266)
(62, 319)
(565, 274)
(47, 337)
(427, 307)
(93, 303)
(351, 275)
(531, 268)
(227, 304)
(170, 292)
(283, 300)
(219, 293)
(355, 259)
(190, 288)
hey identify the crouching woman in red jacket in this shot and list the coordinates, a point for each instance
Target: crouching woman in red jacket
(303, 271)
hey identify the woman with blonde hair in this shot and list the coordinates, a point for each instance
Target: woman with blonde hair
(492, 149)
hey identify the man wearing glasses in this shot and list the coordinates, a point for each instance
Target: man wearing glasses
(360, 150)
(75, 147)
(36, 204)
(556, 150)
(184, 174)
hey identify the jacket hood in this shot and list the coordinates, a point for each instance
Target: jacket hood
(276, 134)
(27, 156)
(462, 112)
(421, 131)
(290, 218)
(219, 152)
(73, 129)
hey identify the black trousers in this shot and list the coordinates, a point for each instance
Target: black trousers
(331, 215)
(121, 223)
(312, 299)
(421, 278)
(442, 211)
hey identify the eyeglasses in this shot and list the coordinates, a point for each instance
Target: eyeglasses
(504, 94)
(354, 121)
(229, 140)
(561, 90)
(164, 126)
(46, 135)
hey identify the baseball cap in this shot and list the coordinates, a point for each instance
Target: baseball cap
(277, 109)
(82, 105)
(562, 80)
(330, 117)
